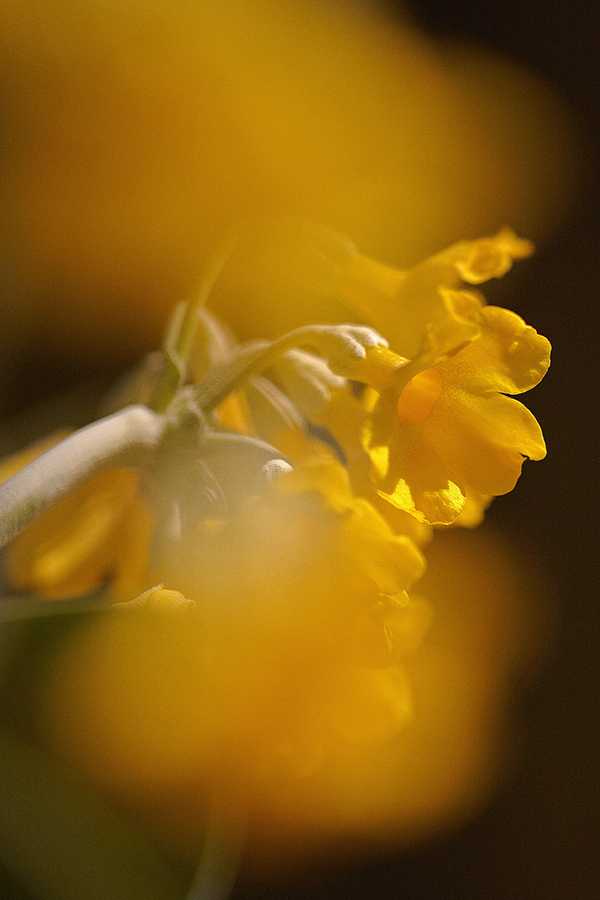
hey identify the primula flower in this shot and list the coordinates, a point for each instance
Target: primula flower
(403, 305)
(271, 627)
(440, 437)
(442, 427)
(144, 705)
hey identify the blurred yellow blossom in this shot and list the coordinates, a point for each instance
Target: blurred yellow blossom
(160, 699)
(490, 626)
(142, 132)
(98, 535)
(300, 623)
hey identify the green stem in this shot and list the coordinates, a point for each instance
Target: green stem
(187, 332)
(19, 608)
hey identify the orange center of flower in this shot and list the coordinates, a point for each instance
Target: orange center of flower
(418, 396)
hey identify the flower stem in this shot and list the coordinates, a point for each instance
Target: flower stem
(126, 438)
(183, 327)
(222, 851)
(341, 345)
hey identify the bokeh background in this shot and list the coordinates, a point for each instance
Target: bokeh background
(444, 121)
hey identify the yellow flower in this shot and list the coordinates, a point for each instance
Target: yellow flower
(442, 427)
(344, 417)
(404, 305)
(440, 437)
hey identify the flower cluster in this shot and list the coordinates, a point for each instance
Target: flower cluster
(251, 518)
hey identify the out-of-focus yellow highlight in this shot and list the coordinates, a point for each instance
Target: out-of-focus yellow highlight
(97, 535)
(133, 701)
(143, 132)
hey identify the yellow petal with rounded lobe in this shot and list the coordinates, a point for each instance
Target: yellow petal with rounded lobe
(486, 442)
(491, 257)
(508, 356)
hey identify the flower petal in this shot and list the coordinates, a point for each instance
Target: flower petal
(483, 441)
(508, 356)
(492, 257)
(418, 479)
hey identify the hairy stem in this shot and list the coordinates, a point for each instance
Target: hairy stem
(126, 438)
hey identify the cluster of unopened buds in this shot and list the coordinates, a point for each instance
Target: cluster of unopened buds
(279, 494)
